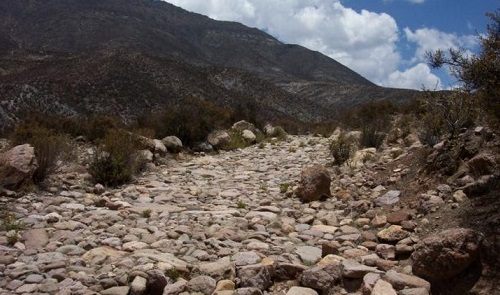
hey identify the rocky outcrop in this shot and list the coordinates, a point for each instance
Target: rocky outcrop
(446, 254)
(17, 166)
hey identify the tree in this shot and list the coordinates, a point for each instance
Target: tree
(478, 74)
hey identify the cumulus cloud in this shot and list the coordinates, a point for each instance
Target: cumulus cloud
(429, 39)
(416, 77)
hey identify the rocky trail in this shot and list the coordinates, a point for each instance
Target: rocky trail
(228, 223)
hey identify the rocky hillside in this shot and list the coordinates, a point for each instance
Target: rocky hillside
(234, 223)
(121, 57)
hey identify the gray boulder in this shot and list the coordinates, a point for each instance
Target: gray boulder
(17, 166)
(173, 144)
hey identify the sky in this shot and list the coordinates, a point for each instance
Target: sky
(383, 40)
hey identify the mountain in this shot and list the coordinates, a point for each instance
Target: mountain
(65, 54)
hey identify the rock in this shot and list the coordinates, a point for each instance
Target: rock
(383, 288)
(116, 291)
(483, 163)
(369, 281)
(446, 254)
(219, 270)
(314, 184)
(202, 284)
(248, 291)
(401, 281)
(203, 147)
(176, 288)
(392, 234)
(17, 166)
(218, 138)
(301, 291)
(35, 238)
(156, 282)
(321, 277)
(224, 286)
(138, 286)
(379, 220)
(459, 196)
(354, 270)
(160, 147)
(244, 125)
(414, 291)
(308, 254)
(388, 199)
(328, 248)
(398, 217)
(248, 136)
(288, 271)
(173, 144)
(359, 157)
(386, 251)
(245, 258)
(257, 276)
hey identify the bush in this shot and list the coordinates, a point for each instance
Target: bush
(116, 159)
(445, 113)
(236, 142)
(341, 149)
(49, 147)
(191, 120)
(371, 136)
(279, 133)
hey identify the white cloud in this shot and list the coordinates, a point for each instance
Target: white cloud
(417, 77)
(428, 39)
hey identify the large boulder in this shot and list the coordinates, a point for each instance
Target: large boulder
(173, 143)
(218, 138)
(244, 125)
(446, 254)
(314, 183)
(17, 166)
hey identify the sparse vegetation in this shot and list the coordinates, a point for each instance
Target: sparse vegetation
(173, 273)
(241, 204)
(146, 213)
(341, 149)
(11, 225)
(284, 187)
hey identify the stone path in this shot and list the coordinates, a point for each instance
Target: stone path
(225, 223)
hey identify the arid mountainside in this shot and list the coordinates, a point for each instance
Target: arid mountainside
(122, 57)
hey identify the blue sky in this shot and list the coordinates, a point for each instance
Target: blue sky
(383, 40)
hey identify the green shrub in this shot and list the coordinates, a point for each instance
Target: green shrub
(241, 204)
(116, 159)
(48, 145)
(341, 149)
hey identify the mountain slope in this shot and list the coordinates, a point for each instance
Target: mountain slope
(124, 57)
(160, 29)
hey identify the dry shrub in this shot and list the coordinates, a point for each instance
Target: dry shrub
(49, 147)
(342, 149)
(116, 160)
